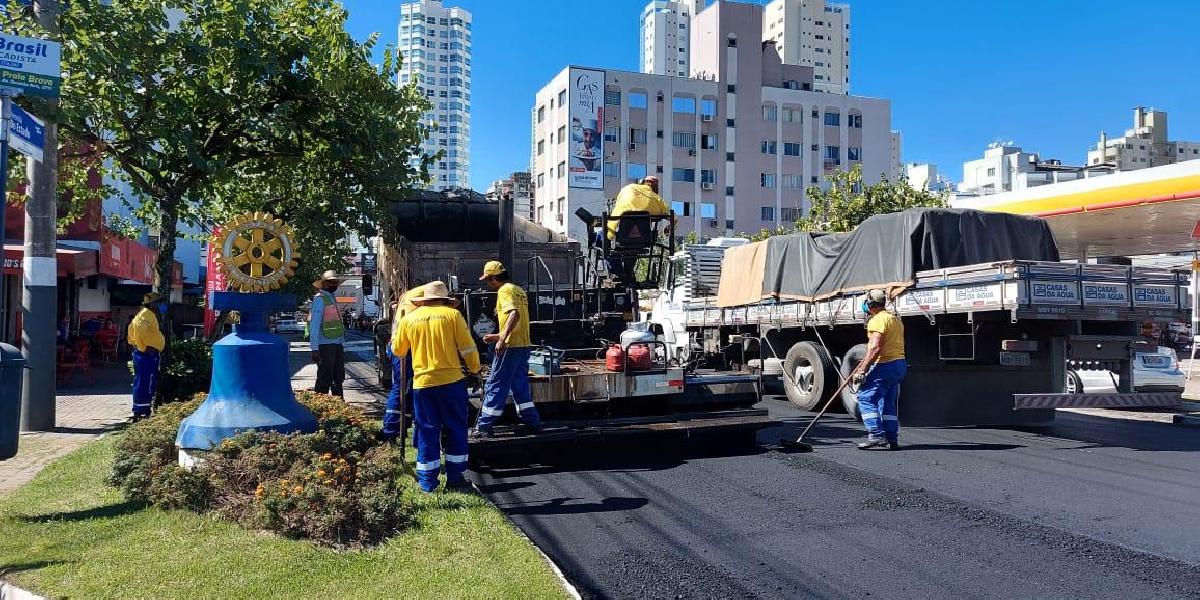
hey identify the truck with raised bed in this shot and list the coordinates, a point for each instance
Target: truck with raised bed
(995, 325)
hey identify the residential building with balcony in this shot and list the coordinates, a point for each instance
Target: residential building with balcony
(1144, 145)
(520, 186)
(812, 33)
(1005, 167)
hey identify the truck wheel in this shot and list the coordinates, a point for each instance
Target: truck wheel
(808, 372)
(1073, 383)
(850, 362)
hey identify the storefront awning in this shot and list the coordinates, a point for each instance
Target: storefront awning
(72, 263)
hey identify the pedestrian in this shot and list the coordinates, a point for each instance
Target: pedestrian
(437, 335)
(147, 342)
(400, 396)
(881, 372)
(327, 336)
(510, 359)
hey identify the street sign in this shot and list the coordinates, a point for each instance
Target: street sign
(369, 262)
(26, 133)
(30, 65)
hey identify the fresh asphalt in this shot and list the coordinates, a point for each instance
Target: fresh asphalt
(1087, 508)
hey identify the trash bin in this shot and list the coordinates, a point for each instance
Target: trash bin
(12, 365)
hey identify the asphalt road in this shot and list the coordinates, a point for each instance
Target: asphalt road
(1089, 508)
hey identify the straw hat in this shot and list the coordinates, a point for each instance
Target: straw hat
(329, 275)
(434, 290)
(152, 298)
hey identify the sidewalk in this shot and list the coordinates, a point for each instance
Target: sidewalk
(83, 412)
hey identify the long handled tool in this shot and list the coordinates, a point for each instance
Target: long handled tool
(799, 444)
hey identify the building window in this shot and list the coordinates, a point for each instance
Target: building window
(562, 134)
(541, 180)
(791, 215)
(770, 113)
(729, 156)
(791, 149)
(729, 190)
(708, 176)
(792, 115)
(683, 140)
(637, 100)
(729, 122)
(683, 104)
(767, 213)
(833, 153)
(768, 147)
(708, 107)
(637, 136)
(708, 141)
(562, 98)
(833, 119)
(685, 175)
(612, 134)
(636, 171)
(991, 172)
(612, 169)
(541, 147)
(791, 182)
(562, 169)
(731, 42)
(612, 97)
(853, 153)
(856, 121)
(683, 209)
(708, 210)
(541, 113)
(766, 180)
(731, 88)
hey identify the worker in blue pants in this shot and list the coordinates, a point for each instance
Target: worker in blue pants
(510, 364)
(147, 342)
(394, 410)
(881, 372)
(440, 343)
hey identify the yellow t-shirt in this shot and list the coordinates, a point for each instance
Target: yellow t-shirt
(636, 197)
(892, 344)
(144, 332)
(440, 344)
(508, 298)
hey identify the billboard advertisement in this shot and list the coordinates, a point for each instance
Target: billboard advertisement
(585, 163)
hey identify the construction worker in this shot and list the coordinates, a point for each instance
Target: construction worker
(881, 372)
(635, 197)
(437, 335)
(401, 392)
(147, 342)
(327, 336)
(510, 361)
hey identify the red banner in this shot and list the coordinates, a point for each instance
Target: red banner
(214, 282)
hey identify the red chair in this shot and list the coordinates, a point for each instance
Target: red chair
(75, 358)
(108, 347)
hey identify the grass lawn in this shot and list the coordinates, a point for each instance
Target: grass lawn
(67, 534)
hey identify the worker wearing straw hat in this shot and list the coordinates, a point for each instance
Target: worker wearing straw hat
(147, 341)
(327, 336)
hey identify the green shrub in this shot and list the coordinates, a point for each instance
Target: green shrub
(337, 486)
(186, 370)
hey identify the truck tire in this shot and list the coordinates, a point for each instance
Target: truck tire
(808, 375)
(1073, 383)
(850, 362)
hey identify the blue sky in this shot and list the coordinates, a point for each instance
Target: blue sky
(1049, 75)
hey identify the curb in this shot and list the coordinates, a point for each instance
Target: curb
(9, 591)
(1187, 420)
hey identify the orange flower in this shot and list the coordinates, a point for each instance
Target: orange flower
(321, 473)
(328, 482)
(297, 489)
(327, 456)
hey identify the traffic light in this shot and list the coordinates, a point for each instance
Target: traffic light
(368, 283)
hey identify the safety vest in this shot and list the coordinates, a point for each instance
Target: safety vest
(331, 320)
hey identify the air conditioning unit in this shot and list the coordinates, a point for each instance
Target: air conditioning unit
(707, 185)
(706, 118)
(692, 152)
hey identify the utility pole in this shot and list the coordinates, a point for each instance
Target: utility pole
(39, 297)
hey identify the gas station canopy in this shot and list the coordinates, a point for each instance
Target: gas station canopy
(1148, 211)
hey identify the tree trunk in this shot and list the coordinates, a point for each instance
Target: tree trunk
(164, 265)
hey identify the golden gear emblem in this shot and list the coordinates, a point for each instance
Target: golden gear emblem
(255, 252)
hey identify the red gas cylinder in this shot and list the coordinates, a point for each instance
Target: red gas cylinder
(639, 357)
(614, 358)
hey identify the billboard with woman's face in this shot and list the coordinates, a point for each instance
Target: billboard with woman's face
(586, 146)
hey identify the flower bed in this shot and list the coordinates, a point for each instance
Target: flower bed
(337, 487)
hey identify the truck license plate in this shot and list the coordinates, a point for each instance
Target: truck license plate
(1014, 359)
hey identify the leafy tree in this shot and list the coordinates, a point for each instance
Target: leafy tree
(848, 201)
(208, 108)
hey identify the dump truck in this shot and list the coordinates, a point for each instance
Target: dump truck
(578, 312)
(995, 323)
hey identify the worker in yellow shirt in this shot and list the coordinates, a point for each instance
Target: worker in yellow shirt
(635, 197)
(147, 342)
(882, 371)
(437, 335)
(510, 363)
(401, 392)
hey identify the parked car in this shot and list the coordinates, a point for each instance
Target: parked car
(288, 326)
(1154, 370)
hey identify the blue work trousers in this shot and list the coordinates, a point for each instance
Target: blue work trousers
(399, 397)
(145, 380)
(435, 409)
(510, 374)
(879, 399)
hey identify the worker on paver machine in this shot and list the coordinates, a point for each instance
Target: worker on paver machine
(510, 362)
(630, 229)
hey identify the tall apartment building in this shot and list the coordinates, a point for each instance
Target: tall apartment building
(814, 34)
(435, 43)
(666, 36)
(520, 186)
(1145, 145)
(733, 153)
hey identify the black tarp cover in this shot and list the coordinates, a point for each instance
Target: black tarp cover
(887, 251)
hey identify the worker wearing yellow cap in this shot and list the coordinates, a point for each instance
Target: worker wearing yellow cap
(147, 341)
(510, 361)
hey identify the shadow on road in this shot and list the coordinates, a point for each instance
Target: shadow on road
(563, 506)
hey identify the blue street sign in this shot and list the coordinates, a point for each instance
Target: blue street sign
(26, 133)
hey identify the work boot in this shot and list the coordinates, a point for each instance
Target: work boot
(872, 443)
(527, 429)
(893, 445)
(479, 434)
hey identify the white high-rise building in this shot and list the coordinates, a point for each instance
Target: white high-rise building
(813, 34)
(1145, 145)
(666, 33)
(435, 43)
